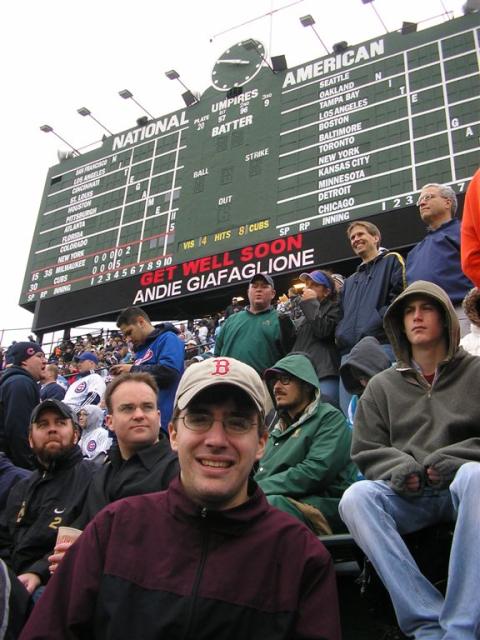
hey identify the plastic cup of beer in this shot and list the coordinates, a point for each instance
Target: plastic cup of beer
(67, 534)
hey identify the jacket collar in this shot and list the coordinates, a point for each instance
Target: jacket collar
(148, 457)
(231, 521)
(14, 370)
(70, 459)
(366, 265)
(247, 309)
(444, 225)
(286, 427)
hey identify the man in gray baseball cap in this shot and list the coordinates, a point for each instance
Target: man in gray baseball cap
(210, 541)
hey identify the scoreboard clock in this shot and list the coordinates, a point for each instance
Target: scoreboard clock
(238, 65)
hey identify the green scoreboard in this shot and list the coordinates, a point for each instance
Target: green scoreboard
(252, 175)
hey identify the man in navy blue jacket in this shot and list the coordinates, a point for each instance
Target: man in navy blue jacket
(437, 257)
(19, 393)
(367, 293)
(158, 351)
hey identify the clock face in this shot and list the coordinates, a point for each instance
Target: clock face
(238, 65)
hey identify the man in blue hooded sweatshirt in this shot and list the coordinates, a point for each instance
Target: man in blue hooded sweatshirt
(158, 351)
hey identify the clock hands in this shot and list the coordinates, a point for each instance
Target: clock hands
(232, 61)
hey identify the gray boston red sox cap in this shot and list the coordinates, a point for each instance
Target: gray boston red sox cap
(221, 370)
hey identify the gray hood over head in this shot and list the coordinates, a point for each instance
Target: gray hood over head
(94, 416)
(393, 320)
(366, 356)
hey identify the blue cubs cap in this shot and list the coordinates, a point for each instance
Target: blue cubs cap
(88, 355)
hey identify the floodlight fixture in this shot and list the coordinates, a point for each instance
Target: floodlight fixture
(308, 21)
(340, 47)
(127, 94)
(279, 63)
(83, 111)
(408, 27)
(142, 121)
(46, 128)
(188, 96)
(370, 2)
(172, 74)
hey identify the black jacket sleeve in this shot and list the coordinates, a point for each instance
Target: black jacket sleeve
(19, 398)
(287, 332)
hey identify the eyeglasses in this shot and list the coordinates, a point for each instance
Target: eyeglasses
(202, 422)
(428, 196)
(283, 378)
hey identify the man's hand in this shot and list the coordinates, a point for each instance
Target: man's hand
(309, 294)
(433, 476)
(30, 581)
(412, 483)
(117, 369)
(57, 556)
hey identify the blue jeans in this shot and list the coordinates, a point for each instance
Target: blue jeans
(377, 517)
(329, 390)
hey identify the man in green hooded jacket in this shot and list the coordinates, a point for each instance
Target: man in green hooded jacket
(306, 466)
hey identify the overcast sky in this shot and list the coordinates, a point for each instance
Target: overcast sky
(58, 56)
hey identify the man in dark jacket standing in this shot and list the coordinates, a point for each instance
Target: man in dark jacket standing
(51, 497)
(158, 351)
(209, 557)
(368, 292)
(19, 394)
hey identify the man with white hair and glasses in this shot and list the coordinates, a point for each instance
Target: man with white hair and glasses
(437, 257)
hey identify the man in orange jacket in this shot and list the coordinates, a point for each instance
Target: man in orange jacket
(470, 243)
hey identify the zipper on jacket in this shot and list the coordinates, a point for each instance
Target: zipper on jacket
(199, 573)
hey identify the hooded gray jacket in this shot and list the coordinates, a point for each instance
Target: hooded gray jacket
(403, 424)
